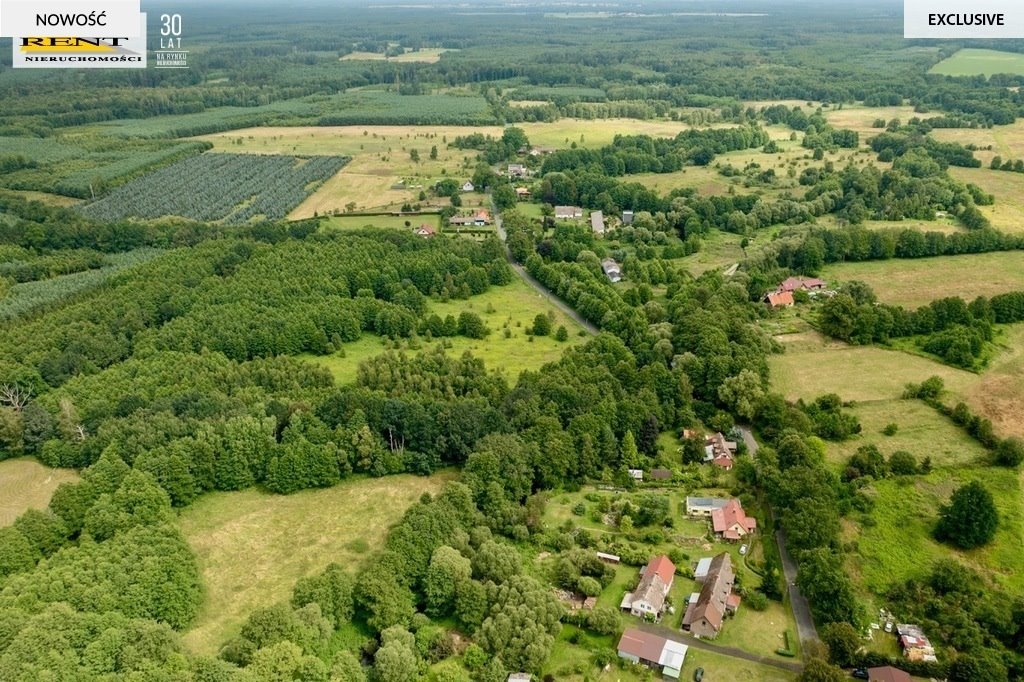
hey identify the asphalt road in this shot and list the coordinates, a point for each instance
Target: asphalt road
(801, 609)
(541, 289)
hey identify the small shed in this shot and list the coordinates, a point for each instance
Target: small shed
(609, 558)
(636, 474)
(701, 572)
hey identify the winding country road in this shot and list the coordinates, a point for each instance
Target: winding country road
(801, 609)
(541, 289)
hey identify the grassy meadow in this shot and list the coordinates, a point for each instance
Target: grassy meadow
(427, 55)
(512, 307)
(253, 546)
(26, 484)
(896, 542)
(913, 283)
(975, 62)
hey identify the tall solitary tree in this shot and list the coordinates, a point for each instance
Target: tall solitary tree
(970, 519)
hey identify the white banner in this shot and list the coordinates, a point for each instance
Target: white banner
(59, 18)
(82, 53)
(962, 19)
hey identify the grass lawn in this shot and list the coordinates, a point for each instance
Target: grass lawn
(861, 118)
(719, 668)
(897, 543)
(974, 62)
(999, 391)
(759, 632)
(26, 484)
(253, 546)
(923, 432)
(914, 283)
(513, 307)
(1007, 187)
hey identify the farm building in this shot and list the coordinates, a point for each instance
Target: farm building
(612, 270)
(706, 613)
(704, 506)
(597, 222)
(730, 522)
(700, 573)
(801, 284)
(887, 673)
(782, 299)
(655, 652)
(568, 212)
(478, 219)
(916, 646)
(648, 599)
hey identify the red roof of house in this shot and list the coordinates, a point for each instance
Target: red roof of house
(729, 515)
(426, 229)
(663, 567)
(733, 601)
(643, 645)
(794, 283)
(724, 461)
(887, 674)
(778, 300)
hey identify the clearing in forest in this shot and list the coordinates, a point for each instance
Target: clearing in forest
(27, 484)
(975, 62)
(253, 546)
(512, 307)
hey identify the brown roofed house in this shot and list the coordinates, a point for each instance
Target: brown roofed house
(802, 284)
(426, 231)
(705, 615)
(731, 522)
(887, 673)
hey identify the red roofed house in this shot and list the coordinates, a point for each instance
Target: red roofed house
(481, 218)
(663, 655)
(648, 599)
(887, 674)
(801, 284)
(782, 299)
(426, 231)
(731, 523)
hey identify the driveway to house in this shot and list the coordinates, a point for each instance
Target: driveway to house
(528, 278)
(801, 609)
(732, 652)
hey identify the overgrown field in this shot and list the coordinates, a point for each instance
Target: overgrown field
(913, 283)
(29, 296)
(975, 62)
(512, 307)
(83, 166)
(894, 541)
(234, 188)
(253, 546)
(27, 484)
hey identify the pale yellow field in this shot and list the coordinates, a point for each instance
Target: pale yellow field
(27, 484)
(46, 198)
(253, 546)
(428, 55)
(1008, 188)
(861, 118)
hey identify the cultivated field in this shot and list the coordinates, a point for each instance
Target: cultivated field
(513, 307)
(27, 484)
(974, 62)
(913, 283)
(253, 546)
(356, 222)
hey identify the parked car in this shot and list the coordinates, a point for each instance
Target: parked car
(698, 674)
(743, 550)
(861, 673)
